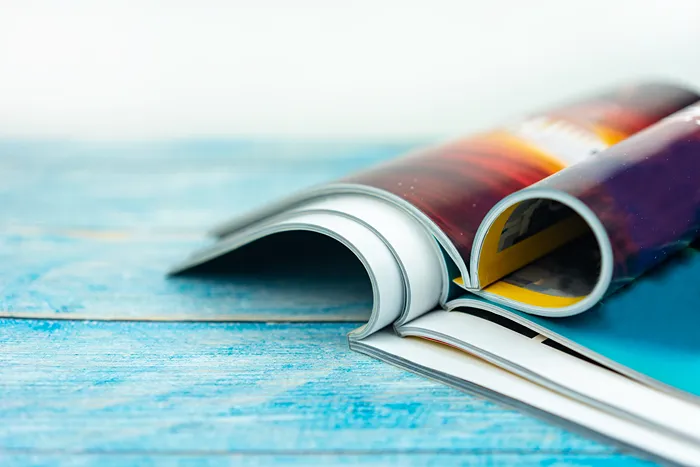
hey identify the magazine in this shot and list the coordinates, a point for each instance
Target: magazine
(547, 264)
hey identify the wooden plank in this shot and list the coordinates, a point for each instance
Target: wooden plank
(180, 186)
(91, 228)
(187, 155)
(409, 459)
(121, 276)
(105, 391)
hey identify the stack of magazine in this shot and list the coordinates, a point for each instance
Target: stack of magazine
(547, 264)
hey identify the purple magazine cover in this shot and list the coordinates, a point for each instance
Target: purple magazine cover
(645, 191)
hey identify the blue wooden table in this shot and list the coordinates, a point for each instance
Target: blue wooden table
(105, 361)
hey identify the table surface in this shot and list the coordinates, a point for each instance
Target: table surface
(105, 361)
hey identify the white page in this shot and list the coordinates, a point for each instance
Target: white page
(388, 286)
(560, 371)
(453, 363)
(415, 250)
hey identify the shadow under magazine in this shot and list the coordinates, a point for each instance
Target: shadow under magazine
(306, 269)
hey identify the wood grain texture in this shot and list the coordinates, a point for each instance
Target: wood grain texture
(255, 392)
(172, 187)
(86, 232)
(407, 458)
(88, 229)
(85, 275)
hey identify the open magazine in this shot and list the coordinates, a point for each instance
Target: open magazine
(546, 264)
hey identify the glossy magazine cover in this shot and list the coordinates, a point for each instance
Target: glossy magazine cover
(457, 183)
(645, 191)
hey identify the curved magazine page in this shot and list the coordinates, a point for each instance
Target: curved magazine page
(399, 256)
(527, 355)
(450, 188)
(647, 331)
(544, 252)
(558, 247)
(415, 250)
(471, 374)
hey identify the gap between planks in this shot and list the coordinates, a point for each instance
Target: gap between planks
(253, 318)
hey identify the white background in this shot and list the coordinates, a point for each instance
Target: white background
(321, 68)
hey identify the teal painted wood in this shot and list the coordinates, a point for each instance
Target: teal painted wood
(255, 392)
(183, 186)
(91, 228)
(99, 276)
(86, 232)
(409, 459)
